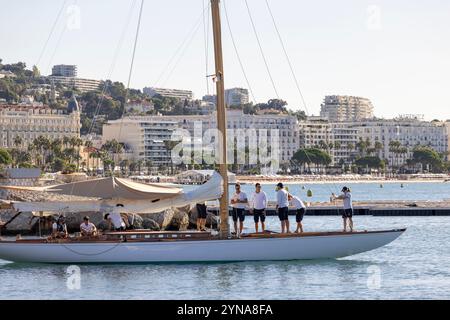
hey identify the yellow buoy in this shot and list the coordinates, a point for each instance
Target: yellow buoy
(309, 193)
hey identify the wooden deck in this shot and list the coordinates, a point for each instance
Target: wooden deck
(171, 236)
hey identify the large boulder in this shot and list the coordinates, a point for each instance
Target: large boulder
(103, 226)
(180, 220)
(150, 224)
(212, 220)
(163, 218)
(135, 221)
(24, 223)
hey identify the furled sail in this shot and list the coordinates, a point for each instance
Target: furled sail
(135, 197)
(116, 188)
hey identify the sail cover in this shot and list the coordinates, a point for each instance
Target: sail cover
(116, 188)
(135, 197)
(109, 188)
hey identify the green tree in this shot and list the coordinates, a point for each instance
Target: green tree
(427, 156)
(5, 157)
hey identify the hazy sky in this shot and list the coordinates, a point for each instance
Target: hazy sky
(395, 52)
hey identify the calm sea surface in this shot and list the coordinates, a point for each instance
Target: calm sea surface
(415, 266)
(363, 191)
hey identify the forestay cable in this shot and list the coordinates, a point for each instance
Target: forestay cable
(287, 58)
(237, 52)
(261, 50)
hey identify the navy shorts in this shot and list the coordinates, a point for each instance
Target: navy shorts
(259, 214)
(238, 214)
(283, 213)
(201, 210)
(348, 213)
(300, 214)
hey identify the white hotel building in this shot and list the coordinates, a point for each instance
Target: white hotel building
(146, 135)
(30, 122)
(409, 131)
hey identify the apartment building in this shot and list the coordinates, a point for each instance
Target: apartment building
(346, 108)
(64, 70)
(146, 136)
(132, 131)
(170, 93)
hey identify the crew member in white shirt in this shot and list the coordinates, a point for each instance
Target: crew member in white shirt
(115, 219)
(87, 228)
(347, 215)
(239, 202)
(300, 211)
(283, 207)
(258, 206)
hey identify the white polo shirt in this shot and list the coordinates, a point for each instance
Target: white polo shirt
(241, 196)
(116, 220)
(282, 198)
(297, 203)
(259, 200)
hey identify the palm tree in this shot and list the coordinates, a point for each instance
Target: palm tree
(394, 147)
(148, 164)
(378, 146)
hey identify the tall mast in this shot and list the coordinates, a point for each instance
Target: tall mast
(221, 118)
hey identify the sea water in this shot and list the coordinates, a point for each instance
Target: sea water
(415, 266)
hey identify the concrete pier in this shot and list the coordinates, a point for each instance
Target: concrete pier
(381, 208)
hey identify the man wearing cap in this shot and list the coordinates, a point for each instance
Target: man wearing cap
(346, 196)
(239, 202)
(283, 207)
(87, 228)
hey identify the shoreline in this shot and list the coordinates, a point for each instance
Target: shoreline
(288, 180)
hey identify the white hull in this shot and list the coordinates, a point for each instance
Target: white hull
(246, 249)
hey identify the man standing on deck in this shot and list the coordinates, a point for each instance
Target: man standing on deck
(258, 206)
(239, 202)
(283, 207)
(346, 196)
(300, 211)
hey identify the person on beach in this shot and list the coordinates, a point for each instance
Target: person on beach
(300, 211)
(59, 228)
(282, 207)
(258, 204)
(201, 216)
(239, 202)
(115, 219)
(347, 215)
(87, 228)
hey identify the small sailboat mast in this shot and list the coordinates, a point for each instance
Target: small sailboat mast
(221, 117)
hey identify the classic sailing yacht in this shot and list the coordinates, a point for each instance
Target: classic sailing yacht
(142, 246)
